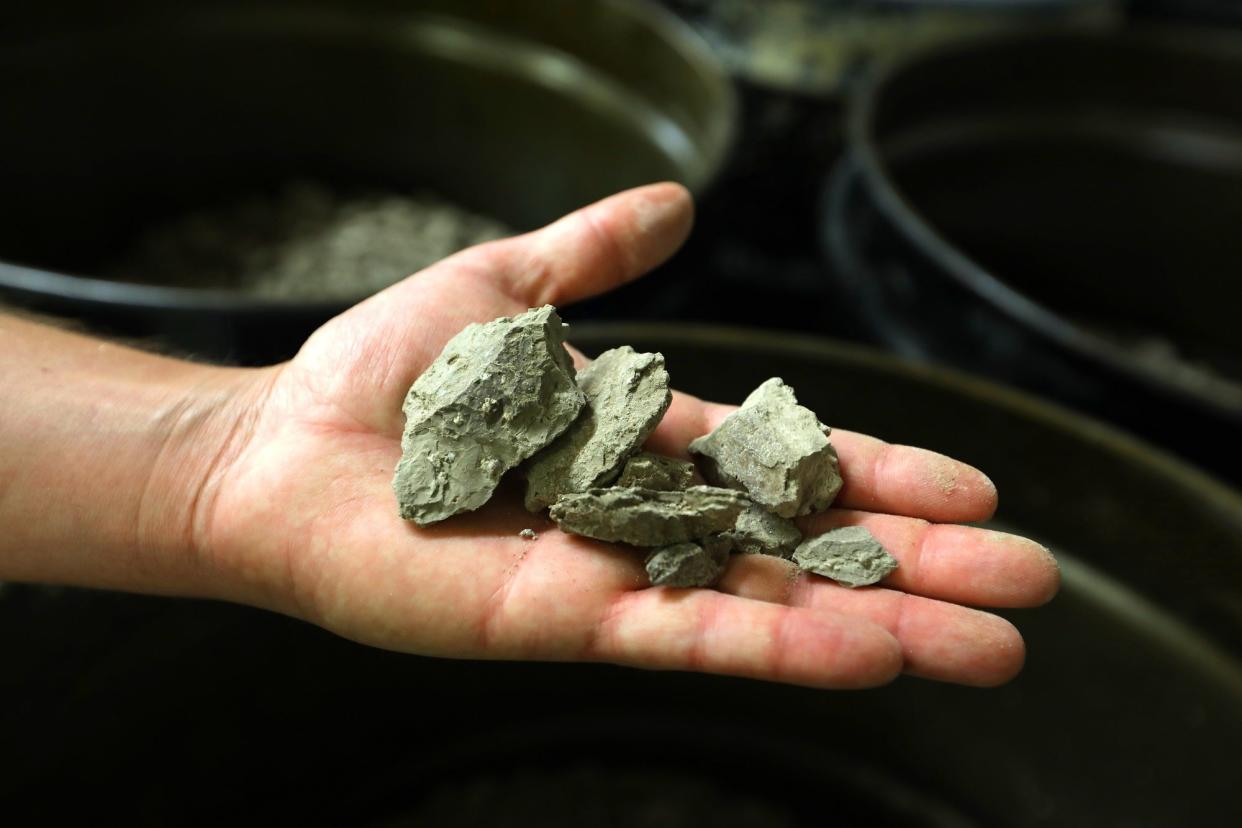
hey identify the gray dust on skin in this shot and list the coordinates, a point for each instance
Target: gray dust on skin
(653, 471)
(626, 396)
(850, 555)
(774, 450)
(306, 243)
(760, 532)
(644, 517)
(498, 393)
(689, 564)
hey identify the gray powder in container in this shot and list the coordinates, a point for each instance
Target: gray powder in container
(306, 243)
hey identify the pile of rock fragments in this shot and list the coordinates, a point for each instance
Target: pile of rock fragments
(505, 395)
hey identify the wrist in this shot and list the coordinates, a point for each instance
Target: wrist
(107, 455)
(207, 425)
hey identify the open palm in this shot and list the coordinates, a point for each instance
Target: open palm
(304, 507)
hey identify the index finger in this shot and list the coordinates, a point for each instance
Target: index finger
(879, 476)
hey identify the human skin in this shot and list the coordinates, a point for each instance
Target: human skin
(125, 470)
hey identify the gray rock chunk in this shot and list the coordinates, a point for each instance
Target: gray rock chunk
(774, 450)
(644, 517)
(498, 393)
(626, 395)
(760, 532)
(687, 565)
(851, 556)
(652, 471)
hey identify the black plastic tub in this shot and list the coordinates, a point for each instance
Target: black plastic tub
(1059, 211)
(518, 110)
(1129, 711)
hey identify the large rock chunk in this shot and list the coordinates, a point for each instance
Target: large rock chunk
(774, 450)
(760, 532)
(688, 564)
(851, 556)
(626, 395)
(652, 471)
(644, 517)
(498, 393)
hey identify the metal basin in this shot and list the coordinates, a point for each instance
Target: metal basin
(1052, 209)
(1129, 711)
(519, 110)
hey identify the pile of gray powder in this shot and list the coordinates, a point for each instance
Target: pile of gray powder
(505, 396)
(306, 243)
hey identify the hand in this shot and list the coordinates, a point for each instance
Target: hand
(301, 505)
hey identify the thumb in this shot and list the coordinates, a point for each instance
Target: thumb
(370, 354)
(597, 248)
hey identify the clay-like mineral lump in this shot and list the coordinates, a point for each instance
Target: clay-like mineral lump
(498, 393)
(652, 471)
(688, 564)
(851, 556)
(644, 517)
(774, 450)
(626, 395)
(760, 532)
